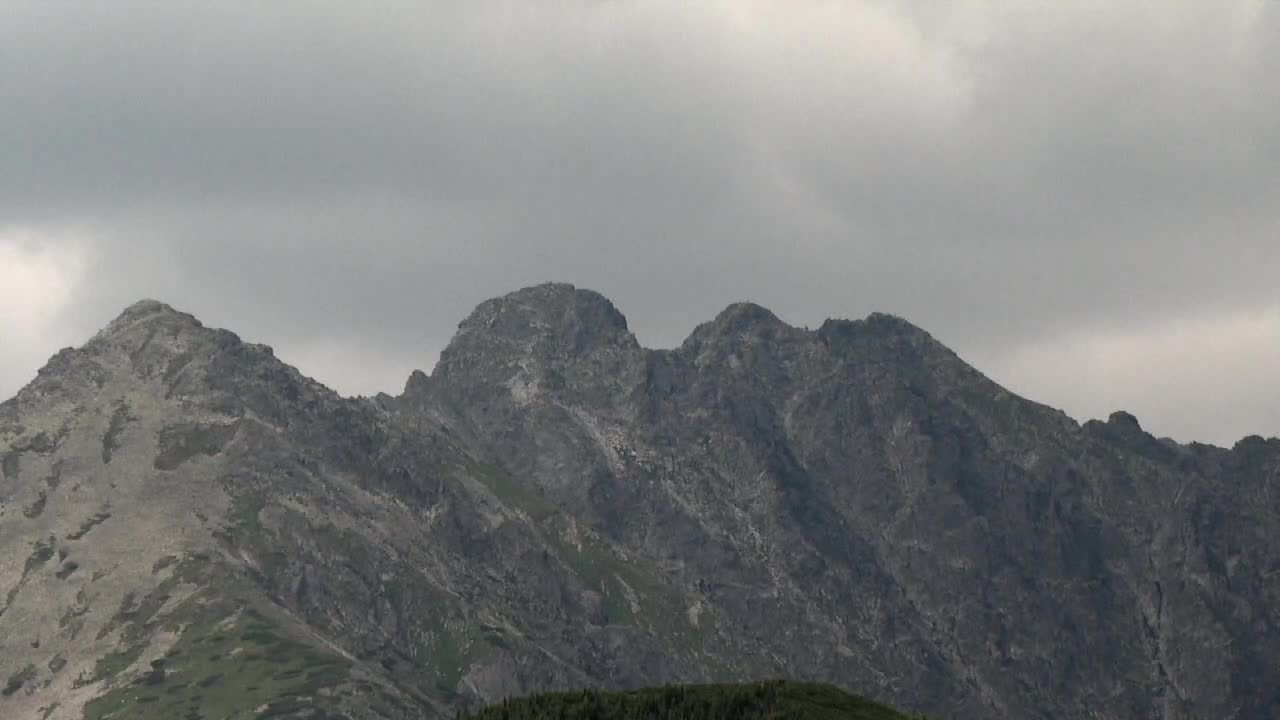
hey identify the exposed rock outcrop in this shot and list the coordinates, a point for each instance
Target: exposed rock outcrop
(191, 527)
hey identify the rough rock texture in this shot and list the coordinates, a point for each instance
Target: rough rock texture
(190, 528)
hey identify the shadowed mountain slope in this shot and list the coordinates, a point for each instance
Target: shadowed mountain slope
(190, 528)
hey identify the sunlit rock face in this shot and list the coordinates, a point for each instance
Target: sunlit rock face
(191, 528)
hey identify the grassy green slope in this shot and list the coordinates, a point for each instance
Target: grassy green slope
(773, 700)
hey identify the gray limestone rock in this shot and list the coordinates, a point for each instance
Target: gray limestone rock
(192, 528)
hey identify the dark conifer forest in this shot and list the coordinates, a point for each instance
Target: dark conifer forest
(774, 700)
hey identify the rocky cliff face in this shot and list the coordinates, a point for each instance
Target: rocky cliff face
(190, 528)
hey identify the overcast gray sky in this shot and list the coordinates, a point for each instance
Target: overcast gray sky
(1082, 199)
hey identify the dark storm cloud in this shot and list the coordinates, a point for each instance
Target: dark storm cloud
(1045, 189)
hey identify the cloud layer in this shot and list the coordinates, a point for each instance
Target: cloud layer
(37, 281)
(1054, 191)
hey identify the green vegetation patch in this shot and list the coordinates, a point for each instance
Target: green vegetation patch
(661, 609)
(41, 552)
(242, 523)
(36, 509)
(93, 521)
(448, 649)
(18, 679)
(135, 615)
(228, 661)
(55, 476)
(11, 463)
(114, 663)
(184, 441)
(67, 569)
(511, 491)
(601, 570)
(111, 438)
(773, 700)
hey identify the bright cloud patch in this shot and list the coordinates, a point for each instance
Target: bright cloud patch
(1209, 378)
(347, 185)
(352, 367)
(38, 279)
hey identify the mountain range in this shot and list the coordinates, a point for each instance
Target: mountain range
(190, 528)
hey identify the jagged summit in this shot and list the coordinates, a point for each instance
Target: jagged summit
(146, 307)
(153, 338)
(559, 319)
(548, 306)
(1124, 419)
(550, 319)
(738, 320)
(746, 314)
(189, 527)
(533, 343)
(148, 314)
(1121, 424)
(875, 326)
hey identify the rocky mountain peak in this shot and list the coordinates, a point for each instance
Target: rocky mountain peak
(148, 308)
(153, 350)
(746, 316)
(745, 337)
(417, 383)
(1121, 426)
(143, 319)
(875, 328)
(554, 323)
(552, 312)
(144, 322)
(149, 339)
(891, 340)
(1124, 421)
(185, 517)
